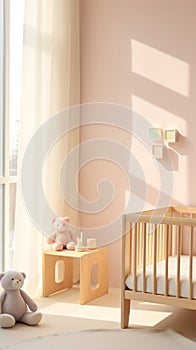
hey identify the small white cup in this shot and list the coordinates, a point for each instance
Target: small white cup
(91, 242)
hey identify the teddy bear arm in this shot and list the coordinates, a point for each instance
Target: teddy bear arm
(51, 239)
(31, 304)
(2, 297)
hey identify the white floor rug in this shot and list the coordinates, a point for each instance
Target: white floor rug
(128, 339)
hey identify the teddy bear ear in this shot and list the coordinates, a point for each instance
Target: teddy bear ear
(24, 275)
(66, 218)
(1, 275)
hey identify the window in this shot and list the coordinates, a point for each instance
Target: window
(2, 130)
(11, 33)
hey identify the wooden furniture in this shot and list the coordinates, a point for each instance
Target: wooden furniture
(149, 239)
(88, 259)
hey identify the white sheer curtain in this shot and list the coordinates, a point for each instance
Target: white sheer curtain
(50, 83)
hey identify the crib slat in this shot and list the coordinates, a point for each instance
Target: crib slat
(191, 264)
(129, 248)
(144, 260)
(158, 243)
(139, 245)
(149, 244)
(162, 242)
(135, 256)
(166, 257)
(178, 262)
(170, 239)
(155, 260)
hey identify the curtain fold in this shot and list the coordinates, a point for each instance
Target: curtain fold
(50, 83)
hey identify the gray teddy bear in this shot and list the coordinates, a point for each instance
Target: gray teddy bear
(14, 302)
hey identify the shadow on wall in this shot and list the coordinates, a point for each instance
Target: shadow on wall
(142, 54)
(163, 80)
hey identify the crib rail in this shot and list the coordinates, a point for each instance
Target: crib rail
(147, 239)
(149, 248)
(153, 238)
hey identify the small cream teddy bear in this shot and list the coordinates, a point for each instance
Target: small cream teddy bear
(62, 238)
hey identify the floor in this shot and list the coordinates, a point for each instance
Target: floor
(63, 313)
(104, 312)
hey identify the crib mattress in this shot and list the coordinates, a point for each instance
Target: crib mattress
(172, 277)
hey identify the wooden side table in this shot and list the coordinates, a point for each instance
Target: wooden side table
(87, 259)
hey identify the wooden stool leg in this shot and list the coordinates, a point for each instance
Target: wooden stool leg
(99, 258)
(49, 284)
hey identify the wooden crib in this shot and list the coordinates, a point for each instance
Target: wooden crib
(158, 258)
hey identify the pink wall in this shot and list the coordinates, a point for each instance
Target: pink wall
(142, 54)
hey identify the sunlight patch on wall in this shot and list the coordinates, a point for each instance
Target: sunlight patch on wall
(158, 116)
(160, 67)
